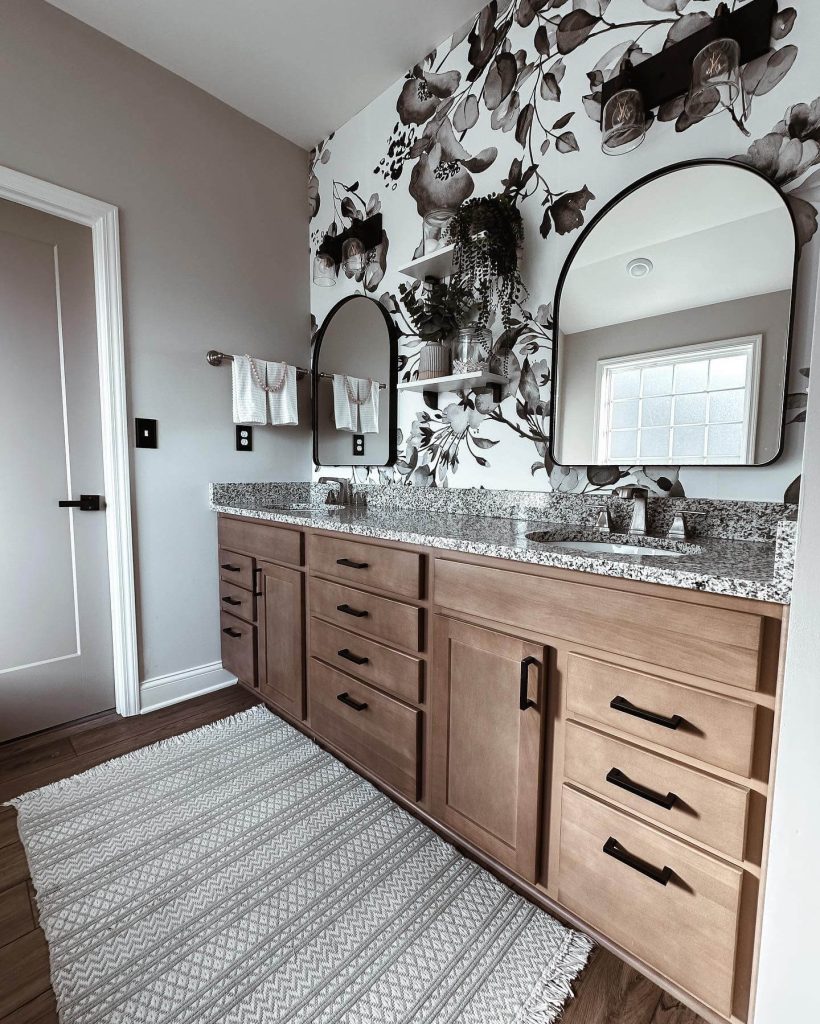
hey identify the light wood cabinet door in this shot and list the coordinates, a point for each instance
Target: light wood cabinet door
(282, 637)
(488, 701)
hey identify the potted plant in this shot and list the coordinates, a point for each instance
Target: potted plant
(434, 321)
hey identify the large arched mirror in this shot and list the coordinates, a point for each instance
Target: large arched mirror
(673, 321)
(354, 370)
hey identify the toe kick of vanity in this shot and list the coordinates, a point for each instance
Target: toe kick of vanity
(604, 743)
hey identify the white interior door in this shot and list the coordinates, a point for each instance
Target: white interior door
(55, 640)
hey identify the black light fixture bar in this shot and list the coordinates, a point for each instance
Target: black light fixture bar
(666, 75)
(369, 233)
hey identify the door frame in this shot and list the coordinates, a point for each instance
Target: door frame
(103, 219)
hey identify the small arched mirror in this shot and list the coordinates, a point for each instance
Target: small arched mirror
(354, 370)
(673, 321)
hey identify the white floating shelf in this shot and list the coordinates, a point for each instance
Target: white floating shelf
(455, 382)
(438, 264)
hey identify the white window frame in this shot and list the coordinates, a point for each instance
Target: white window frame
(751, 344)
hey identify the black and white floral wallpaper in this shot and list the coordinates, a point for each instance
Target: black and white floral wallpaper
(512, 103)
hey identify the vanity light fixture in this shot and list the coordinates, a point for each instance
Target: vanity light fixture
(640, 267)
(349, 249)
(705, 67)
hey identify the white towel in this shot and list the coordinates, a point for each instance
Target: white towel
(282, 404)
(351, 415)
(249, 401)
(369, 409)
(343, 408)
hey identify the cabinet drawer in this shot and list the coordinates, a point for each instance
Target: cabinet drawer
(270, 543)
(237, 601)
(698, 805)
(236, 568)
(716, 643)
(397, 673)
(714, 729)
(388, 620)
(686, 929)
(239, 648)
(379, 732)
(398, 572)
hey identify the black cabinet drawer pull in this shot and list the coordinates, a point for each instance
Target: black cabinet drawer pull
(345, 698)
(350, 656)
(351, 611)
(350, 564)
(617, 778)
(231, 600)
(614, 849)
(231, 568)
(523, 700)
(622, 704)
(232, 632)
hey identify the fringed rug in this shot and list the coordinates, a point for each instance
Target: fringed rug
(239, 873)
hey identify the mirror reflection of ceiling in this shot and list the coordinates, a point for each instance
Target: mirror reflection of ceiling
(712, 233)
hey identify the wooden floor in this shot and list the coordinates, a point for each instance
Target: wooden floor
(607, 992)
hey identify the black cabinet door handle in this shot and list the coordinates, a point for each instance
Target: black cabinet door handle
(231, 631)
(231, 600)
(345, 698)
(350, 656)
(617, 778)
(623, 705)
(614, 849)
(230, 568)
(351, 611)
(350, 564)
(523, 700)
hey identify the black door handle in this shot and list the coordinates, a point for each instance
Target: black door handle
(350, 564)
(231, 568)
(230, 600)
(349, 656)
(614, 849)
(345, 698)
(625, 706)
(231, 631)
(87, 503)
(351, 611)
(617, 778)
(524, 701)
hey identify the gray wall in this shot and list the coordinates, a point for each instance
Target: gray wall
(579, 353)
(212, 214)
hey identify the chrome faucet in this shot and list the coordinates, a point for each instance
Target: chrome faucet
(638, 496)
(344, 496)
(603, 524)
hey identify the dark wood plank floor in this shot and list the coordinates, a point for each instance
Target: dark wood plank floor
(607, 992)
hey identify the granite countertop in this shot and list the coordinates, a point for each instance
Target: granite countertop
(757, 569)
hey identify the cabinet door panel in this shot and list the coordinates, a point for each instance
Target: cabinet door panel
(282, 638)
(487, 750)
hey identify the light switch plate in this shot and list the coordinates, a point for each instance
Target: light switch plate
(244, 438)
(145, 433)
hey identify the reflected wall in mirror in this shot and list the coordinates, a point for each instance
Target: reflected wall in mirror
(354, 369)
(673, 320)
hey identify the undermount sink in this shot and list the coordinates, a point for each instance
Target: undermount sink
(604, 547)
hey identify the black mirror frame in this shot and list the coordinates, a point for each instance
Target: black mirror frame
(393, 341)
(662, 172)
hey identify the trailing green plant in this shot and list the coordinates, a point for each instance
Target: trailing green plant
(487, 234)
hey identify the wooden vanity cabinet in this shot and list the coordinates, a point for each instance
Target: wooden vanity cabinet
(281, 670)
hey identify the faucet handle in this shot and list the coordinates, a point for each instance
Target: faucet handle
(604, 520)
(679, 530)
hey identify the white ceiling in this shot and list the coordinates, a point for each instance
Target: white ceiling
(302, 68)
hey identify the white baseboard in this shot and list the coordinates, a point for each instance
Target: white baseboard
(160, 691)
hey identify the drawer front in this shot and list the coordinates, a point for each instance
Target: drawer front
(270, 543)
(397, 673)
(685, 929)
(398, 572)
(236, 568)
(698, 805)
(717, 730)
(715, 643)
(377, 731)
(239, 648)
(380, 617)
(237, 601)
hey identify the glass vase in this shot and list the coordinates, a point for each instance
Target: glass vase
(471, 351)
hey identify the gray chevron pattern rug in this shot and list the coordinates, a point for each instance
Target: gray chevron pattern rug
(239, 873)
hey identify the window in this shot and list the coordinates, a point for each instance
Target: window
(684, 406)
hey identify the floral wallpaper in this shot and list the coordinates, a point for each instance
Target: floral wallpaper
(511, 103)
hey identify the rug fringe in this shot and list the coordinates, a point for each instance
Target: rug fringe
(550, 993)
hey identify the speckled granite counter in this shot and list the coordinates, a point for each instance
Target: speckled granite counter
(758, 569)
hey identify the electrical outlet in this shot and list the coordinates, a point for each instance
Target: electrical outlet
(145, 433)
(244, 439)
(358, 444)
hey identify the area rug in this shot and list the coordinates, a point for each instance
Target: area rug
(239, 873)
